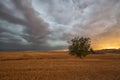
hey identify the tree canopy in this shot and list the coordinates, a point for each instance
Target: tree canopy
(80, 46)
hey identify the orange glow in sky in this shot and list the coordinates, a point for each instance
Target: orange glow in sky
(106, 44)
(106, 47)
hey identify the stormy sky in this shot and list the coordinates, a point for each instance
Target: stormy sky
(50, 24)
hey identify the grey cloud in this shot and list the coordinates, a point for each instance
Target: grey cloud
(35, 29)
(82, 17)
(12, 33)
(9, 13)
(49, 24)
(36, 25)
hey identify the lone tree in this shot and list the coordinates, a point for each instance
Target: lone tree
(79, 46)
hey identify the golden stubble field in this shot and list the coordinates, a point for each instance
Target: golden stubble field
(58, 66)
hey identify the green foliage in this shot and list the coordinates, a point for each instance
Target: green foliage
(79, 46)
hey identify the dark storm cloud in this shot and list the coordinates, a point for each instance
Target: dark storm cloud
(35, 24)
(12, 34)
(6, 15)
(49, 24)
(34, 29)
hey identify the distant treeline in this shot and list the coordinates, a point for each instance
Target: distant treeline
(107, 51)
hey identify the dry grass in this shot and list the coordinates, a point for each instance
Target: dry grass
(58, 66)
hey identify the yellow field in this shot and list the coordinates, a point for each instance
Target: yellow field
(58, 66)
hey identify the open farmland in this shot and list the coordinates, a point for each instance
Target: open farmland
(58, 66)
